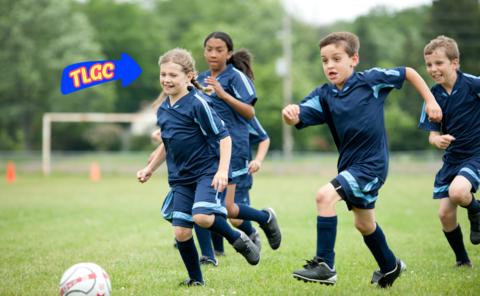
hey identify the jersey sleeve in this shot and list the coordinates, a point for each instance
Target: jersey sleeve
(475, 82)
(311, 111)
(385, 79)
(427, 125)
(256, 132)
(243, 88)
(208, 120)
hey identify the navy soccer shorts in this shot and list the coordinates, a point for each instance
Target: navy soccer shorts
(242, 195)
(470, 169)
(357, 188)
(197, 198)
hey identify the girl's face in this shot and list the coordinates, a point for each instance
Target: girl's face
(216, 54)
(174, 80)
(441, 68)
(337, 65)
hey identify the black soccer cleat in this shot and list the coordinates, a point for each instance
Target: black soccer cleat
(316, 271)
(247, 248)
(191, 283)
(255, 237)
(474, 228)
(272, 230)
(204, 260)
(466, 264)
(385, 280)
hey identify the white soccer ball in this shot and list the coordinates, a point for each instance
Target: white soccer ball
(85, 279)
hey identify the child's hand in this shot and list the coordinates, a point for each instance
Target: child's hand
(216, 86)
(442, 141)
(434, 111)
(144, 174)
(254, 166)
(220, 181)
(291, 114)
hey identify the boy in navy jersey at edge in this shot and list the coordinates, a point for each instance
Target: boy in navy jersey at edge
(352, 105)
(458, 94)
(228, 82)
(197, 149)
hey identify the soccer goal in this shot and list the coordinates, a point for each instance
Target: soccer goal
(48, 118)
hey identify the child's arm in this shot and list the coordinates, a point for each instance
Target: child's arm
(432, 108)
(220, 180)
(291, 114)
(262, 150)
(245, 110)
(440, 141)
(156, 159)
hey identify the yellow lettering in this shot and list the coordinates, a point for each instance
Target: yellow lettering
(85, 78)
(74, 75)
(96, 72)
(107, 70)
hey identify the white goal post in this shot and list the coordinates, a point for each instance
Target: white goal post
(48, 118)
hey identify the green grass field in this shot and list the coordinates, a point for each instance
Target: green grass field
(50, 223)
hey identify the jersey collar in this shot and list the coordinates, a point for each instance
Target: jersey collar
(347, 87)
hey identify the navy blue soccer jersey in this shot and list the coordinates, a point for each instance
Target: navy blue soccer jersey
(257, 134)
(355, 116)
(191, 131)
(239, 86)
(461, 117)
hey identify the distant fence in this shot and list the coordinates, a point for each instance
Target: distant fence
(417, 162)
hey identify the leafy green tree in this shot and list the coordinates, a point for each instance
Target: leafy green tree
(460, 20)
(40, 38)
(135, 29)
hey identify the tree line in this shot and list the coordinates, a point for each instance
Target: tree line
(40, 37)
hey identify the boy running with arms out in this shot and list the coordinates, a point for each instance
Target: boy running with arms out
(352, 105)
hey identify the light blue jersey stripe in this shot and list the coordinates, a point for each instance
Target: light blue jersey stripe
(209, 113)
(239, 172)
(471, 76)
(378, 87)
(424, 114)
(237, 95)
(443, 188)
(260, 126)
(471, 173)
(314, 103)
(390, 72)
(355, 188)
(196, 121)
(208, 205)
(245, 81)
(370, 185)
(167, 206)
(182, 216)
(251, 130)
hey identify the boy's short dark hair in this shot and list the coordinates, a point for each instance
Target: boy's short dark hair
(349, 40)
(449, 44)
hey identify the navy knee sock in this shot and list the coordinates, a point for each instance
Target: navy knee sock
(221, 227)
(217, 241)
(377, 244)
(189, 255)
(455, 239)
(248, 213)
(473, 207)
(246, 227)
(205, 241)
(326, 236)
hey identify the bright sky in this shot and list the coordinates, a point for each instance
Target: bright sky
(323, 12)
